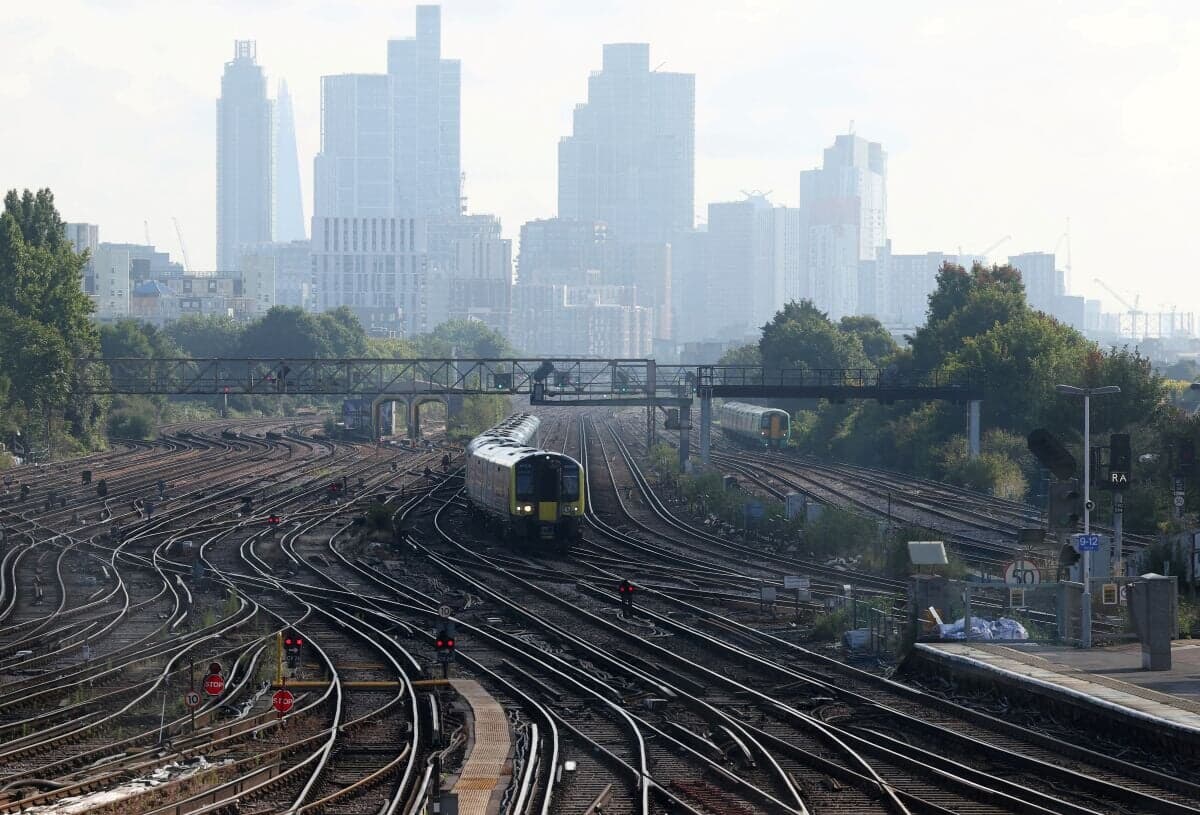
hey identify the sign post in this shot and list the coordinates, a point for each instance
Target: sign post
(214, 684)
(800, 585)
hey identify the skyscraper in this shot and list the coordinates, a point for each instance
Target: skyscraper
(426, 108)
(353, 173)
(843, 220)
(244, 163)
(390, 143)
(750, 252)
(630, 159)
(289, 206)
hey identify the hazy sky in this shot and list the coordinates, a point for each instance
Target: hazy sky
(998, 118)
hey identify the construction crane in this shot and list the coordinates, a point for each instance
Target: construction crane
(187, 264)
(1131, 309)
(1066, 236)
(987, 251)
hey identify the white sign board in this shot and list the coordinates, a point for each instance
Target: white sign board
(927, 553)
(767, 594)
(792, 581)
(1021, 572)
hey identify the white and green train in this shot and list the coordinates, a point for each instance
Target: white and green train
(755, 425)
(533, 496)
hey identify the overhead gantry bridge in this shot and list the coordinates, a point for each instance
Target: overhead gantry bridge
(564, 381)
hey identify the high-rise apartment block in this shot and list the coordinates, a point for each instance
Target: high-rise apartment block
(245, 136)
(292, 263)
(843, 220)
(85, 238)
(630, 160)
(1044, 283)
(377, 267)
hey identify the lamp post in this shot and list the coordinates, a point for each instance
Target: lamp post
(1085, 632)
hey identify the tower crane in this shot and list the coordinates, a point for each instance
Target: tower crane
(1132, 309)
(187, 264)
(1066, 236)
(987, 251)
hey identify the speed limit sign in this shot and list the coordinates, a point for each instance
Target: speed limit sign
(191, 699)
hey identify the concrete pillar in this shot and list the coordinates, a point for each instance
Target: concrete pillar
(973, 427)
(685, 436)
(705, 426)
(414, 421)
(651, 410)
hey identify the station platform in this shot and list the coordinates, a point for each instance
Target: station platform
(1106, 680)
(486, 772)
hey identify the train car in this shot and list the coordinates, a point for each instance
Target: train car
(755, 425)
(534, 497)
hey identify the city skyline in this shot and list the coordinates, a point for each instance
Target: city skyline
(1100, 153)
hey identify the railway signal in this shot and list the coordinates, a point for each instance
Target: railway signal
(625, 590)
(444, 644)
(1066, 505)
(1187, 456)
(1052, 453)
(292, 643)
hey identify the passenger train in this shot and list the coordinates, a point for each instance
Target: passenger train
(533, 496)
(755, 425)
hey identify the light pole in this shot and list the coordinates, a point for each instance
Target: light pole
(1085, 626)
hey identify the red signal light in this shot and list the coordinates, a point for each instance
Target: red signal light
(449, 643)
(299, 642)
(440, 644)
(288, 642)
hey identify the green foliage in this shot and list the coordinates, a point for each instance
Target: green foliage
(206, 336)
(838, 533)
(802, 337)
(978, 322)
(876, 342)
(132, 418)
(742, 355)
(479, 413)
(830, 625)
(997, 471)
(379, 517)
(43, 316)
(464, 338)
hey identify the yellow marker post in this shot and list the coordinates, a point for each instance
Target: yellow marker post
(279, 658)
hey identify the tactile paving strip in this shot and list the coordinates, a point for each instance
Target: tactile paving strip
(486, 765)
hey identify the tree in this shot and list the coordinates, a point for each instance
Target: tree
(343, 333)
(41, 284)
(285, 332)
(208, 336)
(742, 355)
(876, 342)
(466, 338)
(802, 337)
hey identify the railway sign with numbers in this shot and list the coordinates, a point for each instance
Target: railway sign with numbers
(1022, 572)
(191, 699)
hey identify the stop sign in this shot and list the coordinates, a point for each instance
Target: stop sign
(214, 684)
(283, 700)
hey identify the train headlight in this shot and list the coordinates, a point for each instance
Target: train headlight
(527, 508)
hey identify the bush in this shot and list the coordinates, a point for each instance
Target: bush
(831, 625)
(129, 423)
(840, 533)
(379, 517)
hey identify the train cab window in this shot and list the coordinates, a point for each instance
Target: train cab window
(570, 483)
(548, 480)
(524, 480)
